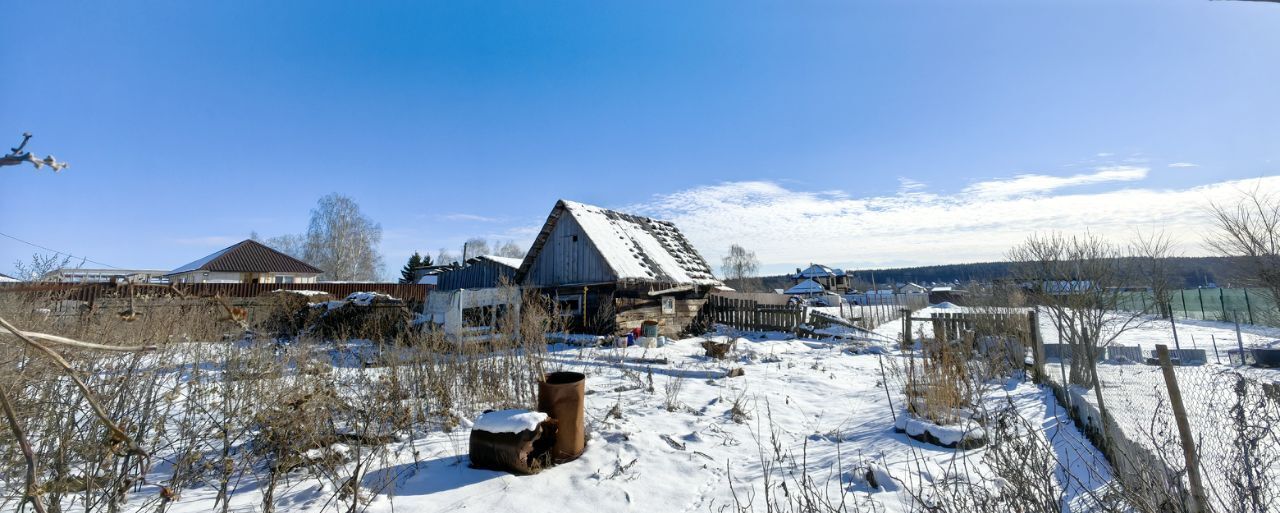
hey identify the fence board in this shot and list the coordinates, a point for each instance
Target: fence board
(92, 291)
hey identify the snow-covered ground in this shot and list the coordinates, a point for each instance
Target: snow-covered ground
(669, 431)
(1136, 395)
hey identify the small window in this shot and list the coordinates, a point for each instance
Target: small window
(570, 306)
(575, 238)
(284, 279)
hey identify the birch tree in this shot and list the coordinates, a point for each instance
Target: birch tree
(739, 265)
(342, 241)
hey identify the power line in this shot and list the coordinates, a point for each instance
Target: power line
(73, 257)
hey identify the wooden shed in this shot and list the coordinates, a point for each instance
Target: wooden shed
(482, 272)
(609, 271)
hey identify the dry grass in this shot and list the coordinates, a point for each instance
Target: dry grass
(215, 408)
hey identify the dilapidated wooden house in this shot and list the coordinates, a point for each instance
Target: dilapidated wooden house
(610, 271)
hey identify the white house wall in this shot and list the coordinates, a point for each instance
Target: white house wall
(229, 277)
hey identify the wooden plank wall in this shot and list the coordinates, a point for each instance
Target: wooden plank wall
(92, 291)
(953, 325)
(748, 315)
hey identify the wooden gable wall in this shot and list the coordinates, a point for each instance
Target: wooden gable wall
(568, 257)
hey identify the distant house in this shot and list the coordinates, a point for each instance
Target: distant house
(947, 294)
(247, 261)
(4, 278)
(485, 271)
(912, 288)
(83, 275)
(609, 271)
(834, 280)
(806, 288)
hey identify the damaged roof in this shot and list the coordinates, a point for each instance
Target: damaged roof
(633, 247)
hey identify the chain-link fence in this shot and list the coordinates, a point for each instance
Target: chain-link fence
(1249, 306)
(1232, 416)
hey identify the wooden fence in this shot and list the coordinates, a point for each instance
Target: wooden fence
(92, 291)
(748, 315)
(951, 326)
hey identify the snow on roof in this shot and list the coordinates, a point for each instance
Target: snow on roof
(513, 263)
(819, 270)
(806, 287)
(8, 279)
(636, 247)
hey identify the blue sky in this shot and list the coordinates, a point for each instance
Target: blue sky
(852, 133)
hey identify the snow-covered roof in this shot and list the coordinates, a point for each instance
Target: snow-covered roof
(818, 271)
(8, 279)
(634, 247)
(806, 287)
(513, 263)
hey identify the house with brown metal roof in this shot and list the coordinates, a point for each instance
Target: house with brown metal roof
(247, 261)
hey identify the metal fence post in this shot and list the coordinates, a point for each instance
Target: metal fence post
(1239, 339)
(1248, 306)
(1198, 498)
(1215, 349)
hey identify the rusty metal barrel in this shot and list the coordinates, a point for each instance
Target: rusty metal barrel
(561, 396)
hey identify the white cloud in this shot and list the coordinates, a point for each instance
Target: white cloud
(1032, 184)
(472, 217)
(788, 228)
(906, 185)
(1183, 164)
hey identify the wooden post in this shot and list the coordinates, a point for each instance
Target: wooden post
(1198, 498)
(1037, 345)
(906, 330)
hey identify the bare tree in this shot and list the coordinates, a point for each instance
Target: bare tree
(343, 241)
(17, 156)
(739, 265)
(1152, 256)
(1080, 282)
(444, 257)
(1249, 229)
(293, 245)
(42, 264)
(475, 247)
(510, 249)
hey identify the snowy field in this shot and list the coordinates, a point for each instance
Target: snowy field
(1137, 397)
(669, 431)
